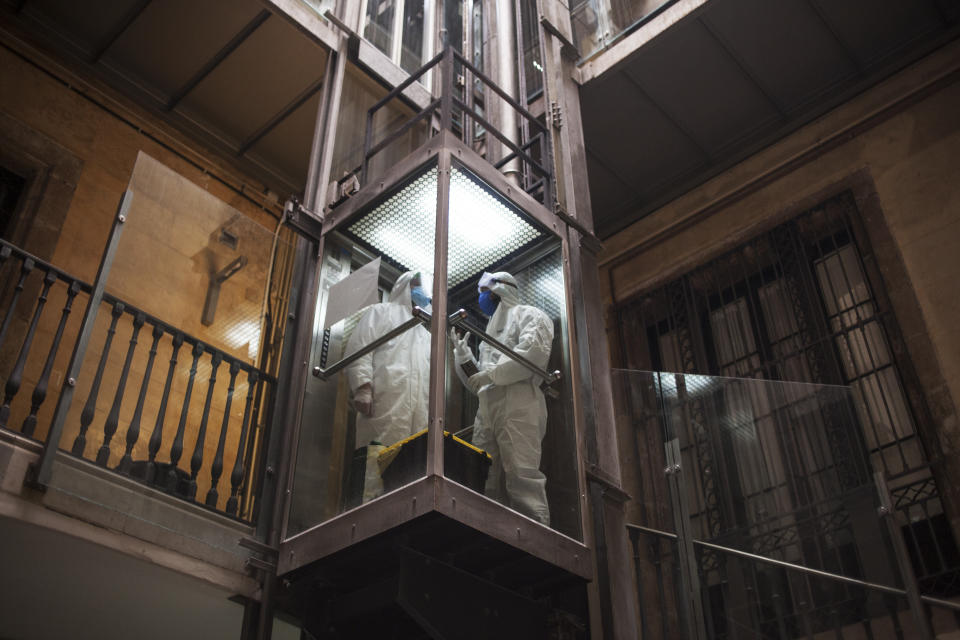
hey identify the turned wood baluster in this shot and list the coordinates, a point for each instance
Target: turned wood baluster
(156, 438)
(40, 391)
(25, 270)
(177, 449)
(217, 467)
(16, 376)
(196, 461)
(133, 431)
(89, 409)
(236, 476)
(113, 418)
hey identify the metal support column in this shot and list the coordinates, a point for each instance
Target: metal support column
(438, 329)
(42, 470)
(889, 519)
(296, 345)
(690, 602)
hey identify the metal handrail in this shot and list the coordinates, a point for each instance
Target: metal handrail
(419, 317)
(518, 152)
(445, 106)
(798, 567)
(130, 309)
(459, 319)
(532, 119)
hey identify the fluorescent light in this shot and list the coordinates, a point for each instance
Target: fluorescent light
(483, 229)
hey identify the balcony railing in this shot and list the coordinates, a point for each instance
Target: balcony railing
(167, 441)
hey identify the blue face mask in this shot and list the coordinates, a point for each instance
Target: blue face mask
(419, 298)
(487, 302)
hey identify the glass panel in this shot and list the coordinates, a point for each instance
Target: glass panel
(532, 65)
(768, 472)
(321, 6)
(598, 23)
(453, 23)
(360, 93)
(587, 33)
(378, 24)
(363, 427)
(176, 388)
(523, 446)
(412, 54)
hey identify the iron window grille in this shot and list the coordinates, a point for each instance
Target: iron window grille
(799, 303)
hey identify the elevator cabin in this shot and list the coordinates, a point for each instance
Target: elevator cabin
(406, 514)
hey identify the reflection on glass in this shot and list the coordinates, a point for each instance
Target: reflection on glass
(176, 384)
(530, 34)
(378, 28)
(364, 419)
(390, 384)
(598, 23)
(770, 473)
(505, 272)
(411, 52)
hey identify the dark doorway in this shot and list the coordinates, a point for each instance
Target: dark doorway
(11, 189)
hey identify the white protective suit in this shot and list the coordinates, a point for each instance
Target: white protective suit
(512, 418)
(398, 371)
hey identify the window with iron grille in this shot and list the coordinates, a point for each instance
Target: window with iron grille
(800, 303)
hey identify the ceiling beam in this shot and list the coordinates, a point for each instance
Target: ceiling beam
(847, 51)
(947, 15)
(219, 57)
(598, 158)
(280, 116)
(128, 19)
(765, 91)
(638, 86)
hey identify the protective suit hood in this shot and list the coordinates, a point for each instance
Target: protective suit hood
(505, 286)
(400, 294)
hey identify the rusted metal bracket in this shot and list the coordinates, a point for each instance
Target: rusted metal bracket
(353, 38)
(609, 487)
(267, 564)
(567, 48)
(302, 220)
(589, 241)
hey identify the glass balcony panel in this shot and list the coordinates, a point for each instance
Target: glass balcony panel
(171, 408)
(598, 23)
(378, 24)
(753, 473)
(512, 436)
(364, 418)
(412, 54)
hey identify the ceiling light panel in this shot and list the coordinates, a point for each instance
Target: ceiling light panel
(483, 229)
(402, 227)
